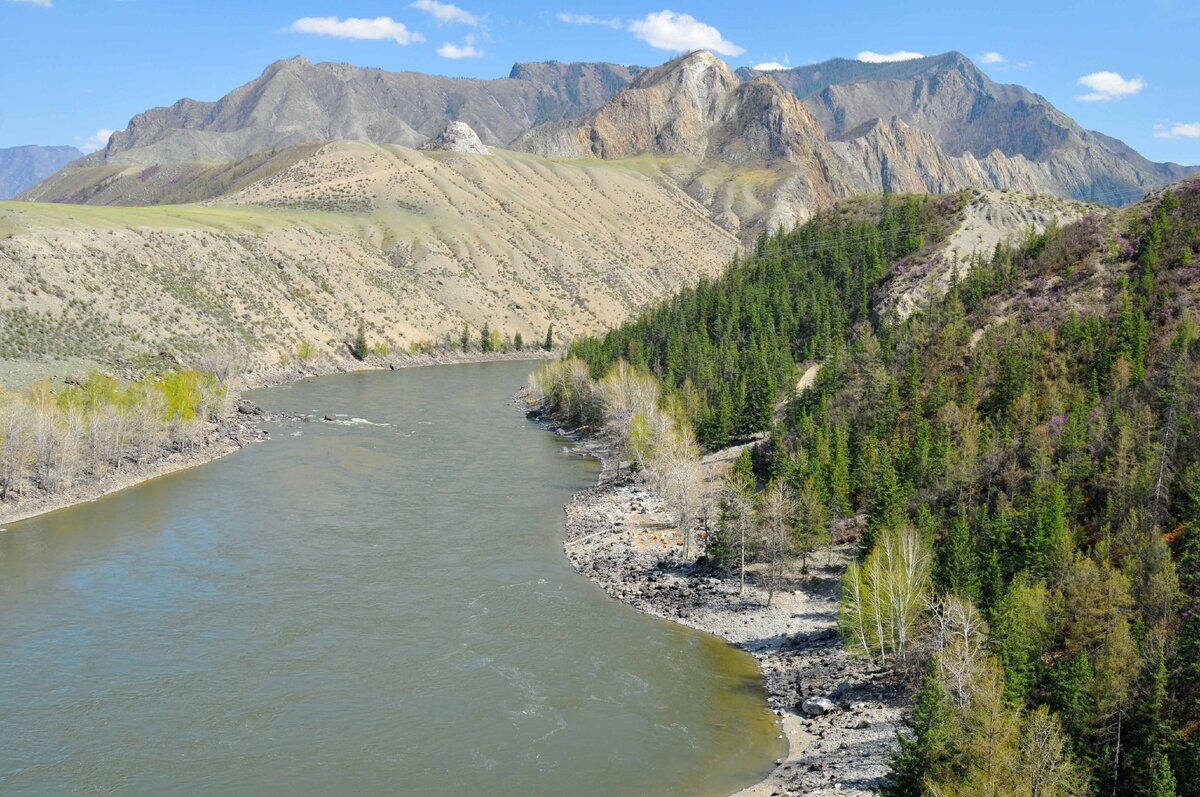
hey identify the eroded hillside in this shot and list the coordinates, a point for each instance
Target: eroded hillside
(414, 243)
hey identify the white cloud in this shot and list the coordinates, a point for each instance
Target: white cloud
(1109, 86)
(466, 50)
(667, 30)
(587, 19)
(96, 141)
(886, 58)
(38, 3)
(445, 13)
(992, 58)
(354, 28)
(770, 66)
(1178, 130)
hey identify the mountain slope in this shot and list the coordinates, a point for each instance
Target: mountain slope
(415, 243)
(295, 102)
(22, 167)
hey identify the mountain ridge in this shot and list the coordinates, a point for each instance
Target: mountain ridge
(295, 101)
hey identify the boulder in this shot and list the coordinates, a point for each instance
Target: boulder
(816, 706)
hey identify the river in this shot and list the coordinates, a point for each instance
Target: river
(377, 606)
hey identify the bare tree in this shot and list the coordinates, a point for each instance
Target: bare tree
(958, 639)
(16, 447)
(776, 513)
(676, 474)
(884, 597)
(737, 519)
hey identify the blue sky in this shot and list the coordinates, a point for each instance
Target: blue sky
(75, 68)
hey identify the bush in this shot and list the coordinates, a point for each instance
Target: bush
(306, 351)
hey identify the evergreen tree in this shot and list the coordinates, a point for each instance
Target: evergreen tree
(358, 347)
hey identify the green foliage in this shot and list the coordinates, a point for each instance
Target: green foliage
(519, 342)
(306, 351)
(358, 347)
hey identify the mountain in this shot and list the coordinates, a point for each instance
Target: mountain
(758, 150)
(22, 167)
(415, 243)
(932, 126)
(966, 112)
(295, 102)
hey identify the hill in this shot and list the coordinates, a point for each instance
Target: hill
(415, 243)
(1020, 459)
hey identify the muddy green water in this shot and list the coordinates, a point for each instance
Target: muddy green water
(357, 609)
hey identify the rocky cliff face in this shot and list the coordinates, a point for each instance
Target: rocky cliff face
(22, 167)
(295, 102)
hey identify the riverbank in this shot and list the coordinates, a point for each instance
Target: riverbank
(240, 427)
(838, 713)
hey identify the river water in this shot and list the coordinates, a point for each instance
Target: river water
(374, 607)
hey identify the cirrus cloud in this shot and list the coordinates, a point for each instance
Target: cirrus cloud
(445, 13)
(38, 3)
(666, 30)
(869, 57)
(376, 29)
(587, 19)
(1107, 86)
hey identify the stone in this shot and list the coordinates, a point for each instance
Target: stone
(816, 706)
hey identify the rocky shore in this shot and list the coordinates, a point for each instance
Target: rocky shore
(839, 714)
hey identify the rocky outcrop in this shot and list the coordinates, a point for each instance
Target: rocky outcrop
(457, 137)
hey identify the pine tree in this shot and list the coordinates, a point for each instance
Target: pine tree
(518, 342)
(959, 571)
(548, 345)
(464, 340)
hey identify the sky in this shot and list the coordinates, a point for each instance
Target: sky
(74, 70)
